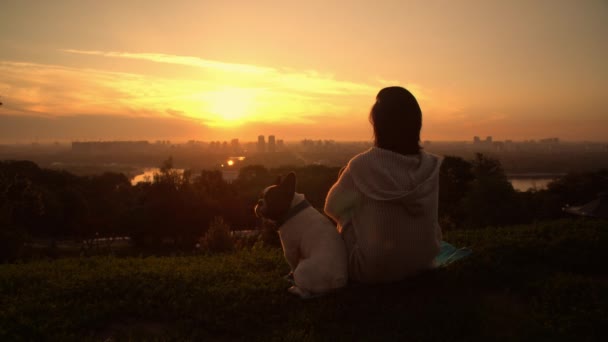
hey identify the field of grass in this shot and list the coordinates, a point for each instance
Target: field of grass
(542, 282)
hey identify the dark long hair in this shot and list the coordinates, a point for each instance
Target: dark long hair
(397, 121)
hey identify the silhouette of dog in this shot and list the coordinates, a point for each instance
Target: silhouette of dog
(312, 246)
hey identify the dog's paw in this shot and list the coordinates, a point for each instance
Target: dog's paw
(297, 291)
(303, 294)
(289, 277)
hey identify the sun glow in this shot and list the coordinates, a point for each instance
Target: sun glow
(230, 106)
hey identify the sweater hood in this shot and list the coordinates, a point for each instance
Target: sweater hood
(388, 176)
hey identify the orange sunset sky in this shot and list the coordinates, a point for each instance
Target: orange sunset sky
(215, 70)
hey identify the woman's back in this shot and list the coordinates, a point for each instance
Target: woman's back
(386, 206)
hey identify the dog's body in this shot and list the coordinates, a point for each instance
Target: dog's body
(312, 246)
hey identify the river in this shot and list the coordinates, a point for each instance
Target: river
(525, 182)
(148, 175)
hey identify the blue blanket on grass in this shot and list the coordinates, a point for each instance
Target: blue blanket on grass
(448, 254)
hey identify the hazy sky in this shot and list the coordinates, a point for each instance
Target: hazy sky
(222, 69)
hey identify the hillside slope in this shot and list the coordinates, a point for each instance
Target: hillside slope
(537, 282)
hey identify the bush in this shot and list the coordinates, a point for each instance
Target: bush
(269, 236)
(217, 239)
(245, 242)
(12, 241)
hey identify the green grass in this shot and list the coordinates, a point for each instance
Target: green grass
(536, 282)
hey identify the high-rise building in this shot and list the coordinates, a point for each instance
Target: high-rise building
(476, 140)
(235, 146)
(261, 144)
(271, 144)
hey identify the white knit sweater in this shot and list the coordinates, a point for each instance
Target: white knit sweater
(386, 206)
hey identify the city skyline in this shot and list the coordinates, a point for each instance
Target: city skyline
(207, 71)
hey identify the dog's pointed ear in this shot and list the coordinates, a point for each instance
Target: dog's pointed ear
(290, 182)
(278, 181)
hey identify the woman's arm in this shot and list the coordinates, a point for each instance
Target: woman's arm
(342, 198)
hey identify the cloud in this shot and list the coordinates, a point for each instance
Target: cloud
(303, 81)
(181, 60)
(50, 90)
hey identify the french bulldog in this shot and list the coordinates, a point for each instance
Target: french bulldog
(311, 244)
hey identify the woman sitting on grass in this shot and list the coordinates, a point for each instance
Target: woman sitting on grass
(386, 199)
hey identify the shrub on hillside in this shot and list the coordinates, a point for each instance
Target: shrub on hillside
(217, 239)
(245, 242)
(269, 236)
(12, 240)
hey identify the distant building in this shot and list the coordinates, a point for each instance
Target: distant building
(485, 144)
(215, 146)
(235, 146)
(230, 175)
(110, 146)
(271, 144)
(549, 141)
(261, 144)
(550, 145)
(280, 145)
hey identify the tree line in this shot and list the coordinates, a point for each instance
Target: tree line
(174, 210)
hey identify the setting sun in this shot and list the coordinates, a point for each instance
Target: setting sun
(230, 106)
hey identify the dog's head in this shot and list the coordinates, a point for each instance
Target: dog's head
(275, 200)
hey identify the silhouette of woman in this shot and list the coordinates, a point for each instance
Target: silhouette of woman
(386, 199)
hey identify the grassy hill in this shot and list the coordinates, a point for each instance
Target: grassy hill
(536, 282)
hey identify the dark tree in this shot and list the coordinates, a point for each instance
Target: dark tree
(455, 179)
(491, 200)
